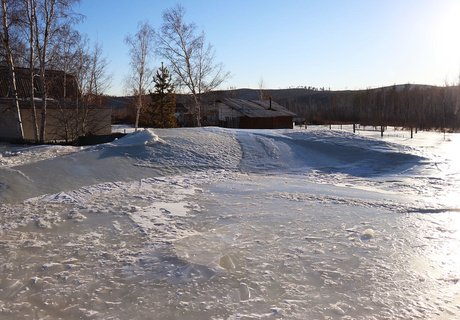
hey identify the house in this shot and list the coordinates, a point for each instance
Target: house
(67, 117)
(253, 114)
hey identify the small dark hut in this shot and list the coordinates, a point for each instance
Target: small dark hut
(253, 114)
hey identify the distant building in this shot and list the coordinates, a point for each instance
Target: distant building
(65, 113)
(253, 114)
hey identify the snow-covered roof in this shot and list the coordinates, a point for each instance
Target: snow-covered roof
(257, 108)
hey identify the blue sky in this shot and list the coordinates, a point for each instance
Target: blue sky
(341, 44)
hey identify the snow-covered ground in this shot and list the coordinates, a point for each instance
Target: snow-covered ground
(213, 223)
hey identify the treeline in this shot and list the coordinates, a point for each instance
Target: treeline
(417, 106)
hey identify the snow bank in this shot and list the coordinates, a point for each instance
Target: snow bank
(139, 138)
(177, 151)
(327, 151)
(11, 156)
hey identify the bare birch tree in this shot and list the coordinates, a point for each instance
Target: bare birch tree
(191, 59)
(29, 16)
(63, 56)
(86, 79)
(99, 80)
(50, 16)
(5, 35)
(95, 82)
(141, 51)
(263, 94)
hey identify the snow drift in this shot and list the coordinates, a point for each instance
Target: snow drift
(177, 151)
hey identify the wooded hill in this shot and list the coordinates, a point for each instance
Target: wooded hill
(417, 106)
(410, 106)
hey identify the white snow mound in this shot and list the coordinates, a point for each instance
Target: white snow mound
(139, 138)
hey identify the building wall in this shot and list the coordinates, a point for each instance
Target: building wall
(231, 118)
(61, 124)
(284, 122)
(8, 124)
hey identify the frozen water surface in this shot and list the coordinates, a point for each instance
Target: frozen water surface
(232, 224)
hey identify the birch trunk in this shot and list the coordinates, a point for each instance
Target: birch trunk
(11, 71)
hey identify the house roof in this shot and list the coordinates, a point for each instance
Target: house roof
(257, 108)
(55, 81)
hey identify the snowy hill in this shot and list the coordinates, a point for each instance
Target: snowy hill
(179, 151)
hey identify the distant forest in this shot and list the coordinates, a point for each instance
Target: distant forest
(424, 107)
(410, 106)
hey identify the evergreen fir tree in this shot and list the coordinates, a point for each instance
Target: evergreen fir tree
(160, 112)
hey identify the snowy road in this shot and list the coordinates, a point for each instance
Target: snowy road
(224, 224)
